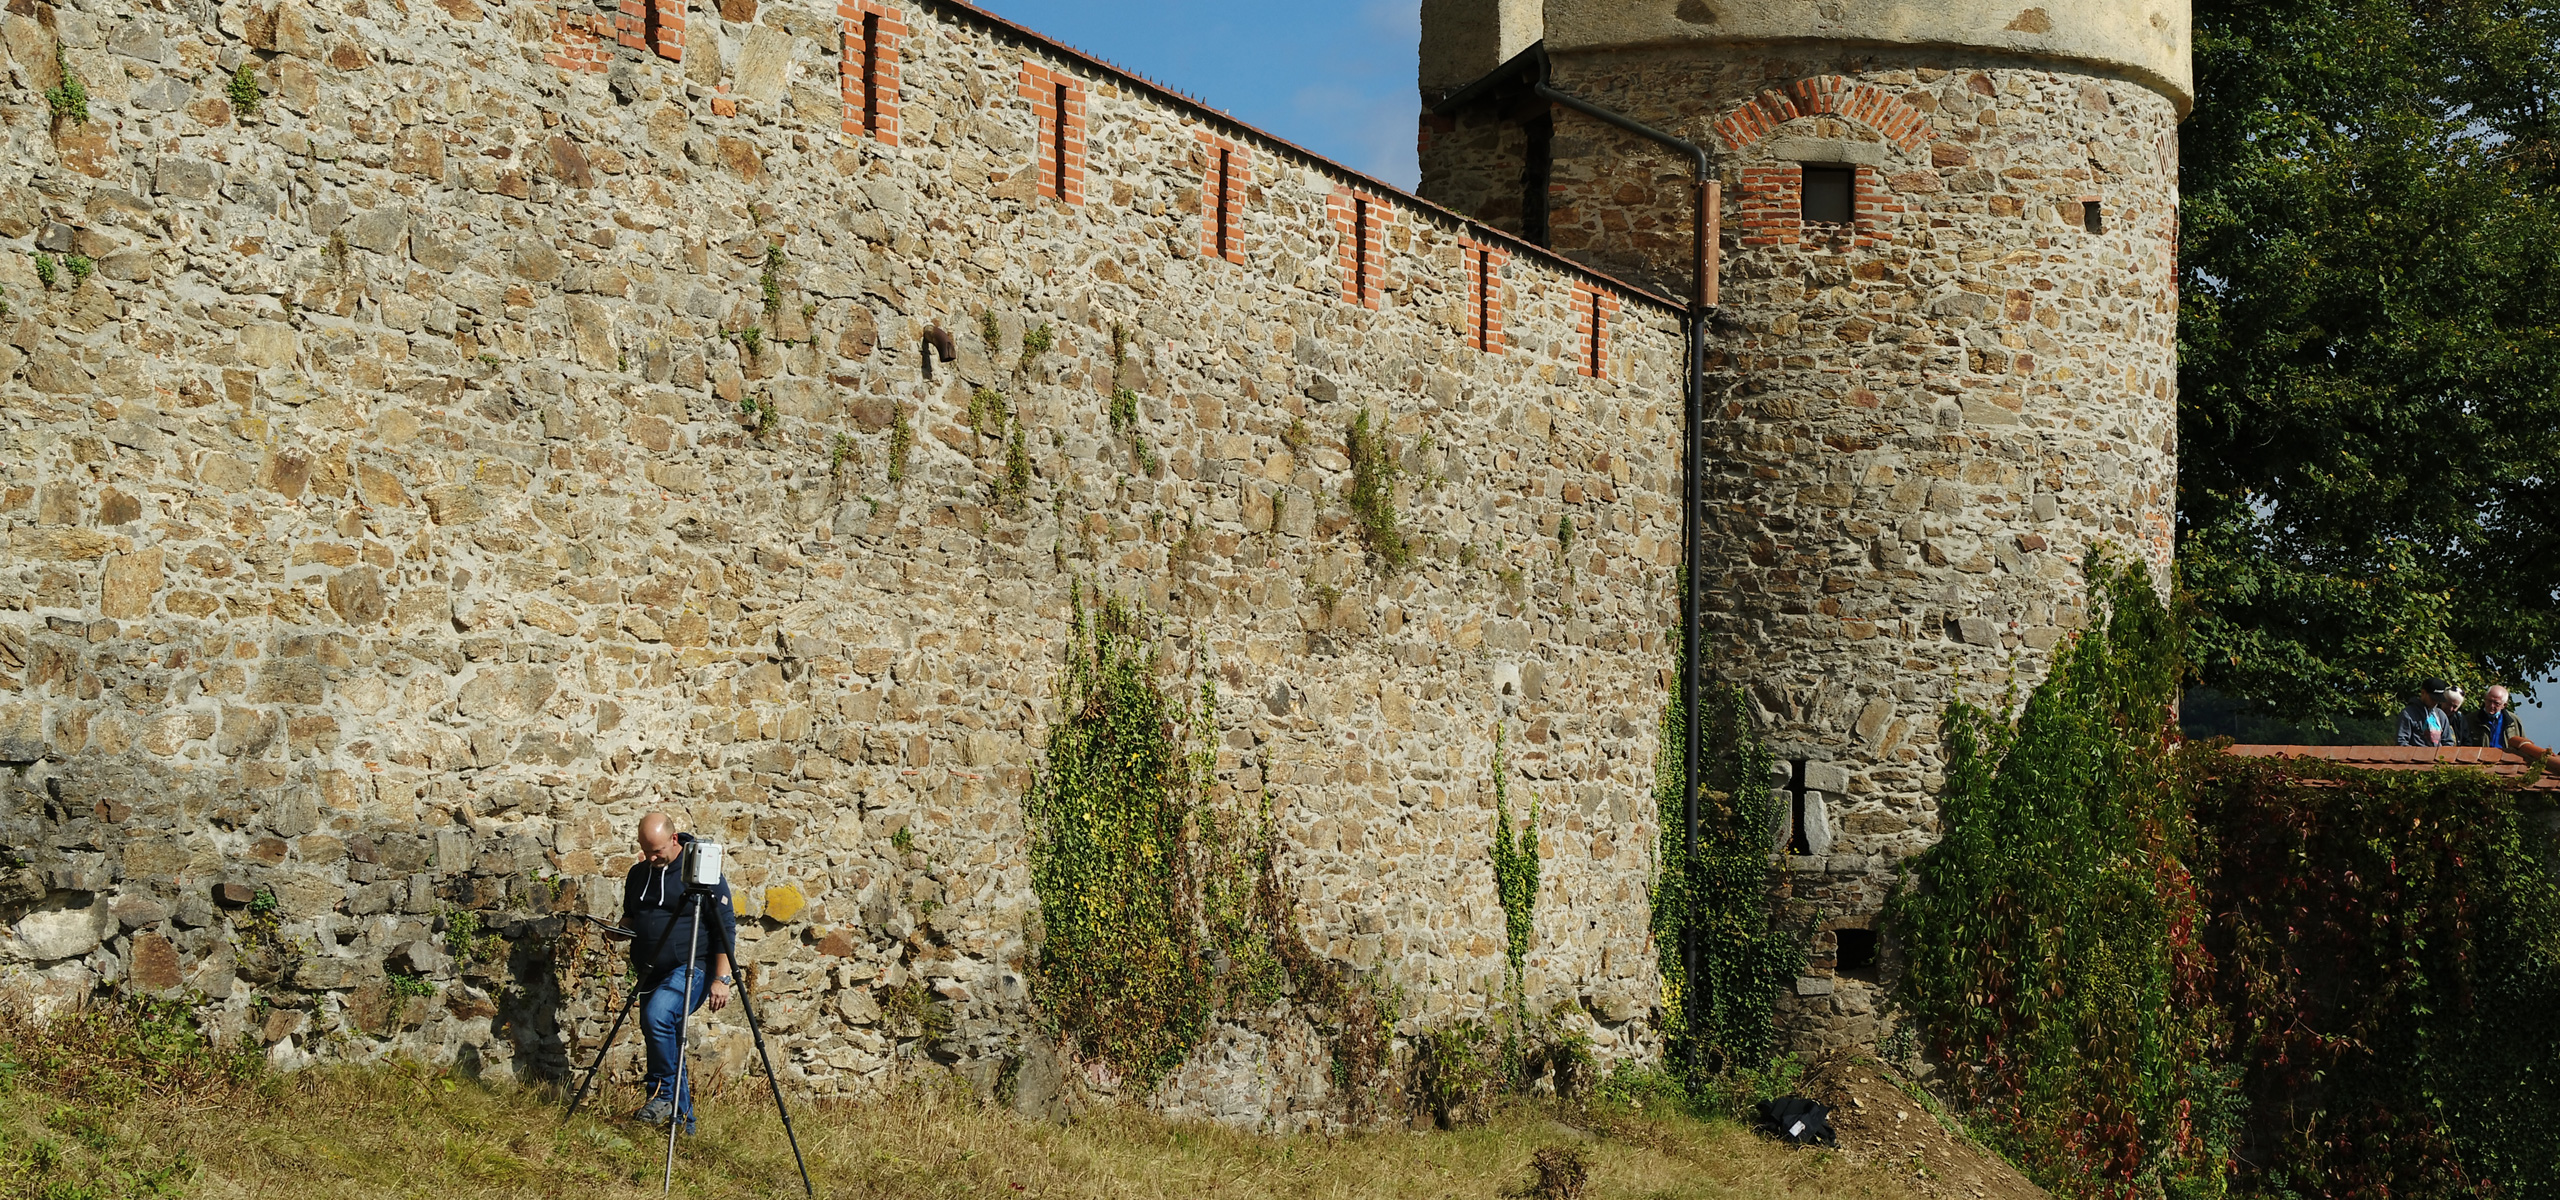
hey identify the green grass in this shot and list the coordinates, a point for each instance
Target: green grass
(102, 1112)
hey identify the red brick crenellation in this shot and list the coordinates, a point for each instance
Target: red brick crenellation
(1484, 294)
(1226, 180)
(1061, 154)
(867, 73)
(1594, 311)
(656, 25)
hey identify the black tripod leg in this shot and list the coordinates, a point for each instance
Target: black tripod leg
(638, 986)
(720, 934)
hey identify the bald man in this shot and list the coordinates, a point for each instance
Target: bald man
(2498, 724)
(661, 918)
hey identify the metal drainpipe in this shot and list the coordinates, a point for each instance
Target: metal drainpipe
(1702, 304)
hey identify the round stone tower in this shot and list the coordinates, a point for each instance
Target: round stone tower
(1949, 233)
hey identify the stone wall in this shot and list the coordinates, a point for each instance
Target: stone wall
(496, 433)
(1928, 414)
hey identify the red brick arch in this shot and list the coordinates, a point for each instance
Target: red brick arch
(1835, 95)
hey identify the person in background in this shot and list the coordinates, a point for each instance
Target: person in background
(2499, 726)
(2457, 728)
(2424, 723)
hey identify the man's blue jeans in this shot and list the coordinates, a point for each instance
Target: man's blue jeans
(662, 1014)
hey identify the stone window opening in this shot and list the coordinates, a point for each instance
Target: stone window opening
(1857, 954)
(2093, 215)
(1830, 194)
(1799, 842)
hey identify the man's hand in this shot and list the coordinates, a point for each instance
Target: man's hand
(719, 995)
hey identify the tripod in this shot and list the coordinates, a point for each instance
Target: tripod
(695, 895)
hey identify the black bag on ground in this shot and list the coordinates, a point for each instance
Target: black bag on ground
(1797, 1122)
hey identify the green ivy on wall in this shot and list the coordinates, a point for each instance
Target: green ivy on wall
(1720, 895)
(1372, 492)
(2051, 936)
(1144, 885)
(2387, 947)
(1515, 879)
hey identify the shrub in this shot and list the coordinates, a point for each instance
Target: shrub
(2053, 959)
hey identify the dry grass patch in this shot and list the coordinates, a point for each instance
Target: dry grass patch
(70, 1131)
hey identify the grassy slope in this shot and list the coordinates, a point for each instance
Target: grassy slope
(345, 1133)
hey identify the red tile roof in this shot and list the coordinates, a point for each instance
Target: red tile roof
(2506, 764)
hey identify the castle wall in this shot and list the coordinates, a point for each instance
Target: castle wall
(1929, 413)
(429, 472)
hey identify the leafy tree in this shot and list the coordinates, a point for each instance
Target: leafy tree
(2370, 342)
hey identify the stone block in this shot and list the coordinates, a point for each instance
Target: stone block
(155, 963)
(66, 928)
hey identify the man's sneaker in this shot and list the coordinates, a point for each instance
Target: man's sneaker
(656, 1112)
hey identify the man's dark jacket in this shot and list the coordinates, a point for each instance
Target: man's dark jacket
(2492, 727)
(655, 907)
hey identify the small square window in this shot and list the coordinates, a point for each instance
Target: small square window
(2092, 217)
(1830, 195)
(1857, 953)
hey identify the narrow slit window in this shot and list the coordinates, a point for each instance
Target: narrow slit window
(1599, 365)
(2093, 216)
(1484, 299)
(871, 74)
(1057, 110)
(868, 71)
(1830, 195)
(1058, 130)
(1226, 199)
(1360, 248)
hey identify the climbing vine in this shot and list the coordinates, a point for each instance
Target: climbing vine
(1719, 895)
(2051, 937)
(1372, 492)
(902, 440)
(1515, 878)
(1142, 882)
(2386, 946)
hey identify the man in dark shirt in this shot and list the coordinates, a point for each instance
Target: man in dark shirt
(662, 917)
(2425, 723)
(2498, 724)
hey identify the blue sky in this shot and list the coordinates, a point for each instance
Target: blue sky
(1334, 76)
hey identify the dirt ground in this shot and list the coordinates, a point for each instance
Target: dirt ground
(1881, 1124)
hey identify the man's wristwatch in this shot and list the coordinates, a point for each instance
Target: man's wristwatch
(724, 981)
